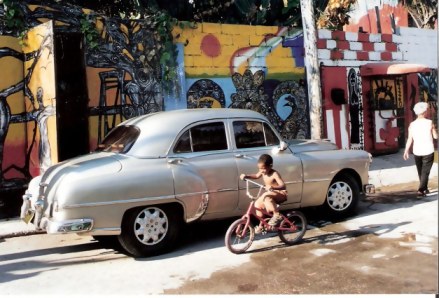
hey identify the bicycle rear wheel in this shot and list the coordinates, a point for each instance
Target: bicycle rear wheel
(296, 226)
(239, 237)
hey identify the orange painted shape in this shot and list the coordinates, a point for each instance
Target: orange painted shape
(210, 46)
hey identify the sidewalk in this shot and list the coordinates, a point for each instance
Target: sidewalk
(384, 171)
(393, 169)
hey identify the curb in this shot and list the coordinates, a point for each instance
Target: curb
(21, 234)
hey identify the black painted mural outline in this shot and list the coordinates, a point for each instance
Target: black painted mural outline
(250, 95)
(39, 115)
(355, 109)
(203, 94)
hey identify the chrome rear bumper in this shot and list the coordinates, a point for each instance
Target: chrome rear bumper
(69, 226)
(52, 227)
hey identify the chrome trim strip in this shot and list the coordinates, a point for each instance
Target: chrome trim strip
(190, 194)
(317, 180)
(293, 182)
(204, 192)
(106, 230)
(223, 190)
(115, 202)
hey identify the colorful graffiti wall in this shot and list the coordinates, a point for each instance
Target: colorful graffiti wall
(123, 81)
(245, 67)
(13, 164)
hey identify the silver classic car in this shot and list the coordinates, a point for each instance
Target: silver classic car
(154, 173)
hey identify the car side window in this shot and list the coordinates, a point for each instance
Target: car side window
(249, 134)
(204, 137)
(184, 143)
(270, 137)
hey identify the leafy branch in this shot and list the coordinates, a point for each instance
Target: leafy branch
(88, 28)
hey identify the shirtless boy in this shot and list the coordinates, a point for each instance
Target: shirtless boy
(276, 192)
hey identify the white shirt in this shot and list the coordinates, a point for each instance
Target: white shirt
(422, 136)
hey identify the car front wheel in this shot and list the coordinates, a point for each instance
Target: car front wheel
(148, 231)
(342, 196)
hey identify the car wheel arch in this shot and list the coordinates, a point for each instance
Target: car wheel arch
(177, 205)
(335, 206)
(350, 173)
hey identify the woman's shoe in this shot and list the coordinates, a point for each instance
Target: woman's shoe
(420, 194)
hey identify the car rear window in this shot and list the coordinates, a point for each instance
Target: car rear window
(120, 139)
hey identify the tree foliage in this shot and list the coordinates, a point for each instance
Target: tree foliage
(422, 12)
(254, 12)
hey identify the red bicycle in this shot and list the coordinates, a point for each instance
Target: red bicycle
(241, 233)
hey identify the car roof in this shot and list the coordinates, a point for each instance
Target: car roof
(158, 130)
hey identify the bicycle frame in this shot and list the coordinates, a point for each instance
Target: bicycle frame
(251, 211)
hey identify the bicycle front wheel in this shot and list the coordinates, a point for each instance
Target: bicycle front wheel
(292, 230)
(239, 236)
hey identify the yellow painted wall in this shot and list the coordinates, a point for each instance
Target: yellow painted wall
(235, 41)
(11, 74)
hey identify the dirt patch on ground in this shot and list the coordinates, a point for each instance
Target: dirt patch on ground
(365, 264)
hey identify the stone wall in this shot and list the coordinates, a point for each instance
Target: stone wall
(339, 48)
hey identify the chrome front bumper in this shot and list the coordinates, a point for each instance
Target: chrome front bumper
(369, 189)
(52, 227)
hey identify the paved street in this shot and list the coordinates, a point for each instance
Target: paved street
(390, 247)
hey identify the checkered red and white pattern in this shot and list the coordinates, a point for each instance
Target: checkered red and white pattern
(341, 48)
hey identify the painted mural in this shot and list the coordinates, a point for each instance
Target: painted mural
(34, 122)
(355, 101)
(39, 86)
(123, 76)
(250, 67)
(13, 152)
(428, 91)
(205, 94)
(388, 106)
(126, 74)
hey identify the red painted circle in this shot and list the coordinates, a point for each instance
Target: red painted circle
(210, 45)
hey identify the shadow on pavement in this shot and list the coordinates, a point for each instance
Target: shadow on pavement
(11, 270)
(338, 237)
(203, 236)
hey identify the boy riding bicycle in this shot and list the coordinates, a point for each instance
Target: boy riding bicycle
(275, 194)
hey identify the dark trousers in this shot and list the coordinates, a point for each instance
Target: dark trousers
(423, 164)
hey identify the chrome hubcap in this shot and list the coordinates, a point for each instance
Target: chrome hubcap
(150, 226)
(339, 196)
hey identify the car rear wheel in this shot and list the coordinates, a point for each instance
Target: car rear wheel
(148, 231)
(342, 196)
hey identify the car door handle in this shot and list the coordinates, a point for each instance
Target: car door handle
(175, 161)
(239, 155)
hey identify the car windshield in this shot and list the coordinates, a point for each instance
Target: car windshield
(120, 139)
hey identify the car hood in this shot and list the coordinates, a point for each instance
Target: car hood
(298, 146)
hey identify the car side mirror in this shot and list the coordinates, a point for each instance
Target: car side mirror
(282, 146)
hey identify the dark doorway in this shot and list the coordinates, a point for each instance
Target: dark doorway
(72, 98)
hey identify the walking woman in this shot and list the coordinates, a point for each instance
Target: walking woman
(421, 134)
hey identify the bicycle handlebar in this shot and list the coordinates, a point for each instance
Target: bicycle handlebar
(254, 182)
(248, 188)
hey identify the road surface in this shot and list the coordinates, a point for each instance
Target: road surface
(390, 247)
